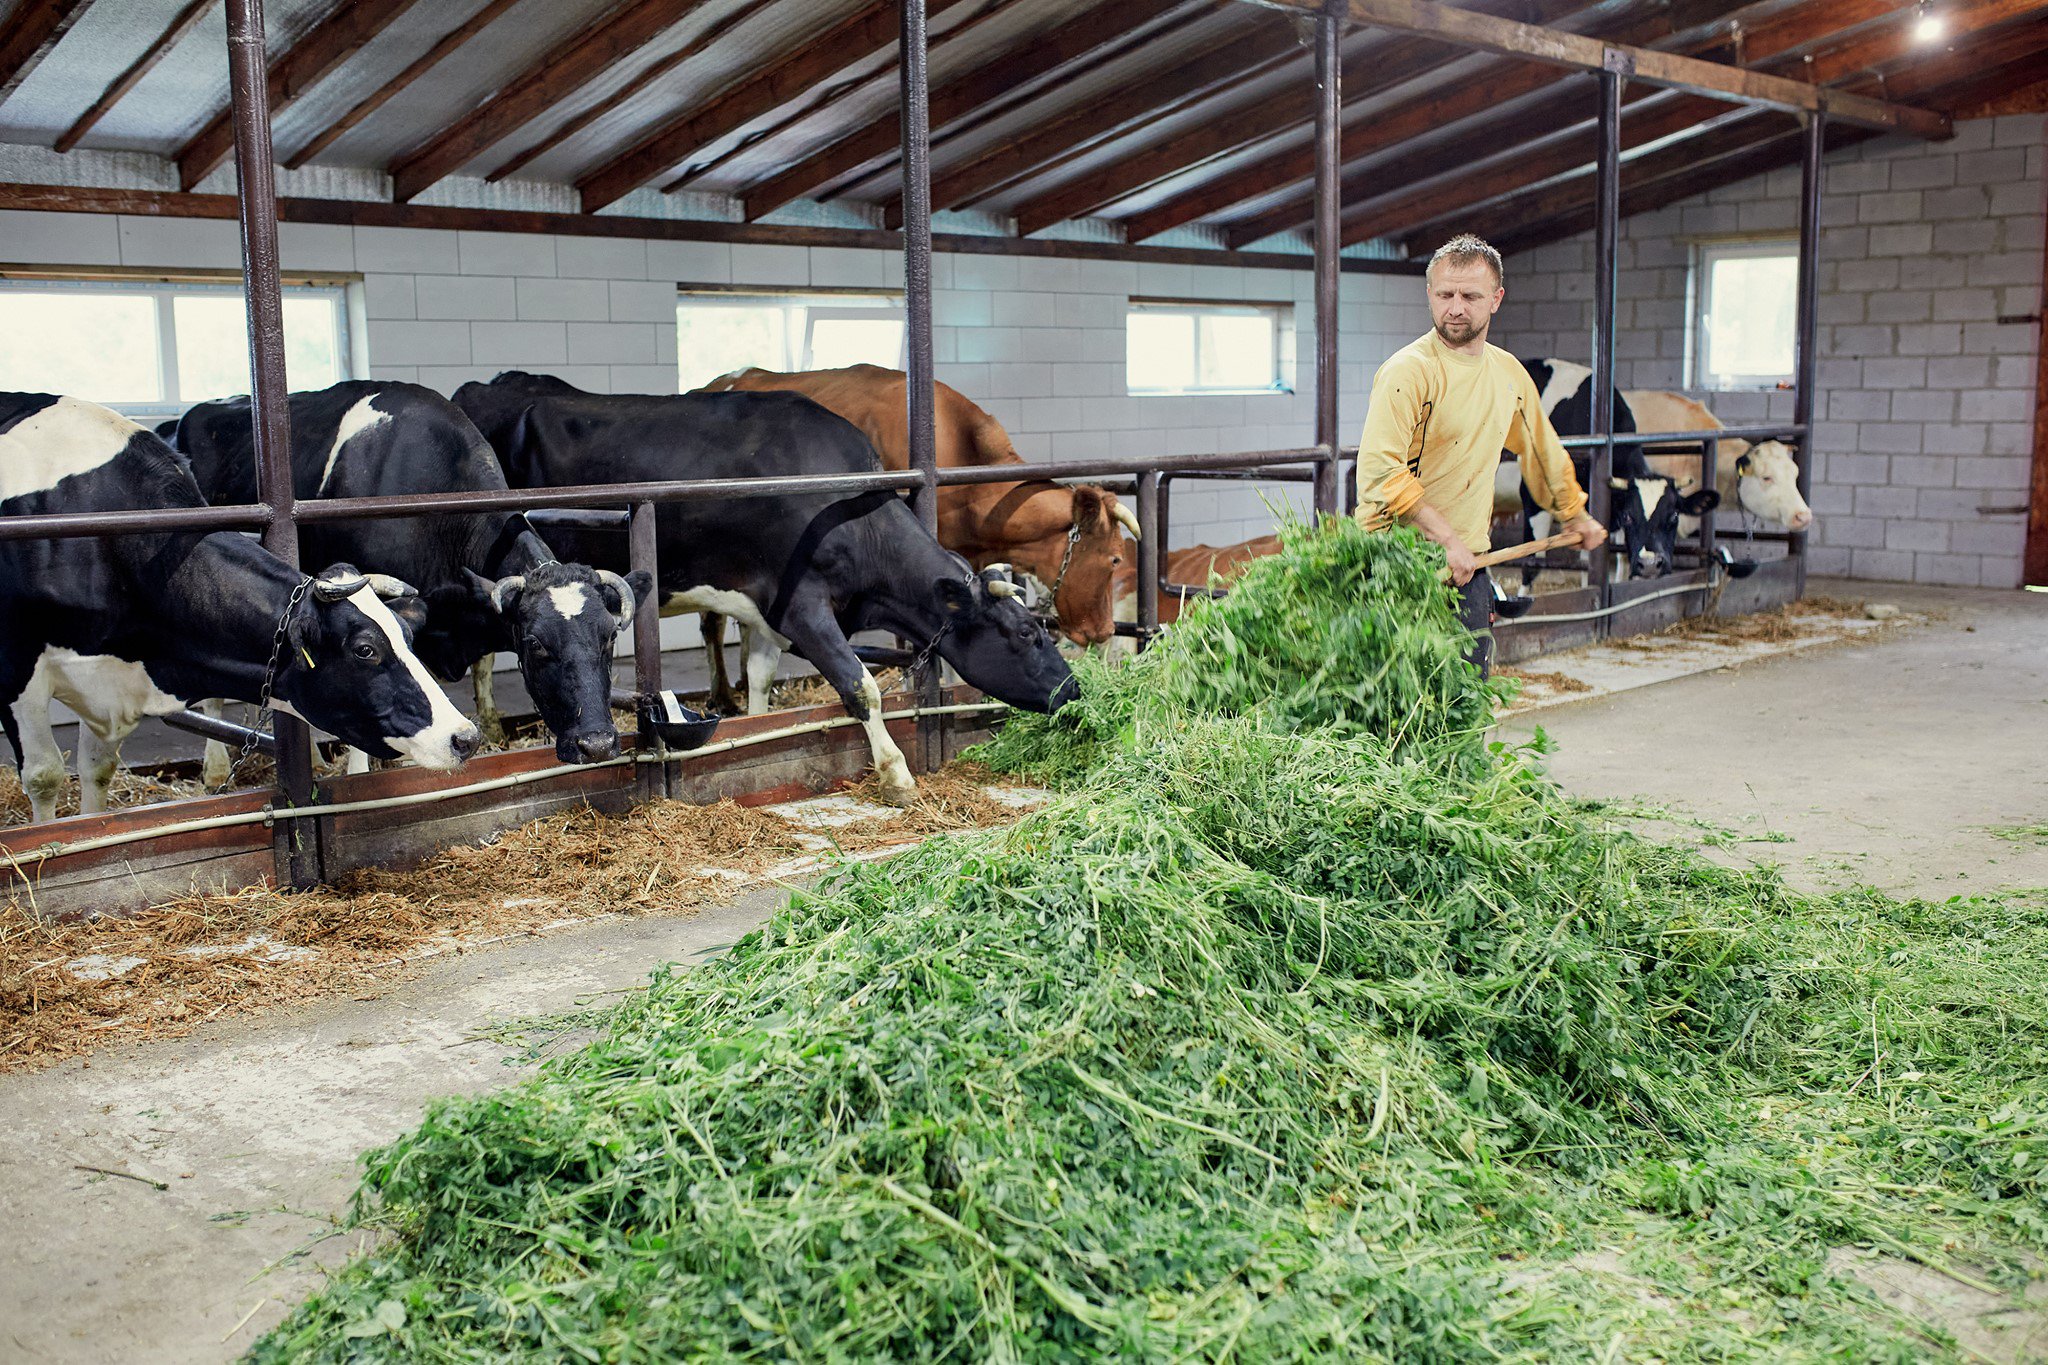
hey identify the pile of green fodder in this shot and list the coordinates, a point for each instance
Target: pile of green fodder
(1279, 1038)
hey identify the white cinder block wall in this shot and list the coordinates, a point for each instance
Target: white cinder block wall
(1926, 416)
(1039, 343)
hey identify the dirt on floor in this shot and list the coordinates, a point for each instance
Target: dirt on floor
(70, 988)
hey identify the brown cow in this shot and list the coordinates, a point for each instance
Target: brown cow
(1071, 539)
(1194, 567)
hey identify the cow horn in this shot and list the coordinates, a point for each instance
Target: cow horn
(1126, 518)
(384, 585)
(1003, 569)
(1617, 482)
(339, 587)
(999, 587)
(624, 615)
(504, 587)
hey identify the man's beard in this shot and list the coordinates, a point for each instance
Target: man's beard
(1460, 333)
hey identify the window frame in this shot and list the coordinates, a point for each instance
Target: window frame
(164, 287)
(834, 303)
(1699, 305)
(1279, 312)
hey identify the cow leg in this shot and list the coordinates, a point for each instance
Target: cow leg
(99, 758)
(722, 698)
(489, 723)
(42, 762)
(217, 767)
(762, 658)
(816, 637)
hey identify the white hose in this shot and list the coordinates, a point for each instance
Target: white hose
(269, 815)
(1605, 611)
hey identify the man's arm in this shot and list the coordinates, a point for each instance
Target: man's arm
(1547, 470)
(1387, 489)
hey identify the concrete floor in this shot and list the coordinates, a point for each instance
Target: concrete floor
(1891, 762)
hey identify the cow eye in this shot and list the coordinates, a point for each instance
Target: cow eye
(537, 651)
(366, 651)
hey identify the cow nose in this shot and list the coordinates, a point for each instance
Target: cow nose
(597, 748)
(463, 743)
(1801, 520)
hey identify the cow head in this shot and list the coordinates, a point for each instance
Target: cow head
(1083, 599)
(999, 647)
(1767, 486)
(1645, 521)
(563, 620)
(348, 667)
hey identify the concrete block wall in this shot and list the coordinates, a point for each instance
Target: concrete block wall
(1039, 343)
(1923, 439)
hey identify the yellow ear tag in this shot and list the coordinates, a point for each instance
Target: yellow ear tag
(307, 657)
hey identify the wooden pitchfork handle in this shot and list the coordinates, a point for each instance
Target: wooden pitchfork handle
(1561, 540)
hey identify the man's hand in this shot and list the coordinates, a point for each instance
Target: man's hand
(1591, 533)
(1462, 561)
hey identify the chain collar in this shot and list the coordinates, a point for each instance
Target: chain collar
(264, 715)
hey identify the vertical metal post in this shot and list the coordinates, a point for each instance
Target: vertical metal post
(297, 843)
(1606, 234)
(1808, 353)
(1329, 106)
(912, 63)
(1150, 555)
(1710, 471)
(652, 778)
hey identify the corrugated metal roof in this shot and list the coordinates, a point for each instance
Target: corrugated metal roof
(728, 43)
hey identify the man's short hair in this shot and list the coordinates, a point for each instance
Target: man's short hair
(1464, 249)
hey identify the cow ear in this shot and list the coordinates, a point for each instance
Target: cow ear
(1705, 500)
(1742, 463)
(411, 611)
(956, 598)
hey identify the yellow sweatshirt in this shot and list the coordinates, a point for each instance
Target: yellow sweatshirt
(1434, 431)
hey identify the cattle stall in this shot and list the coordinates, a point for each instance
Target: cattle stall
(1619, 63)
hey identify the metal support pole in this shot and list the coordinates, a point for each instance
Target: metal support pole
(1329, 107)
(640, 554)
(297, 842)
(1808, 353)
(1710, 471)
(1606, 234)
(914, 57)
(1150, 556)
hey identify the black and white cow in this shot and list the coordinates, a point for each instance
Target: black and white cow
(193, 614)
(489, 582)
(1644, 506)
(806, 571)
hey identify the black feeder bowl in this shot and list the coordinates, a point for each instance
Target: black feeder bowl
(1506, 607)
(676, 724)
(1737, 568)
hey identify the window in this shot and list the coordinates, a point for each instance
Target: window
(719, 332)
(1744, 304)
(154, 348)
(1176, 347)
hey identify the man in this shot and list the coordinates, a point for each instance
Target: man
(1442, 410)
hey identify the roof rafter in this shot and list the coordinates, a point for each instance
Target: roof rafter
(183, 23)
(562, 74)
(32, 30)
(378, 98)
(343, 32)
(1069, 49)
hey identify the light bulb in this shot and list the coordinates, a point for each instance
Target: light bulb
(1928, 27)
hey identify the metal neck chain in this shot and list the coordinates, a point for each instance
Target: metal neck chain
(1073, 540)
(278, 637)
(924, 656)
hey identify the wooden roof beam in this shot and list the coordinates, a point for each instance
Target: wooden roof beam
(562, 74)
(181, 24)
(1071, 49)
(1257, 49)
(1483, 31)
(32, 30)
(867, 31)
(447, 45)
(337, 37)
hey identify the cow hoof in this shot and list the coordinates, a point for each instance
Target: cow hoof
(895, 795)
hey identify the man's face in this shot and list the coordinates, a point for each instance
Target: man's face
(1463, 296)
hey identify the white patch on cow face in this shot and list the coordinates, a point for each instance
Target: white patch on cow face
(1649, 492)
(724, 602)
(69, 437)
(433, 746)
(570, 600)
(354, 422)
(1769, 488)
(1565, 379)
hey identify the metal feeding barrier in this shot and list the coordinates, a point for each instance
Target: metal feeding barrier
(278, 515)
